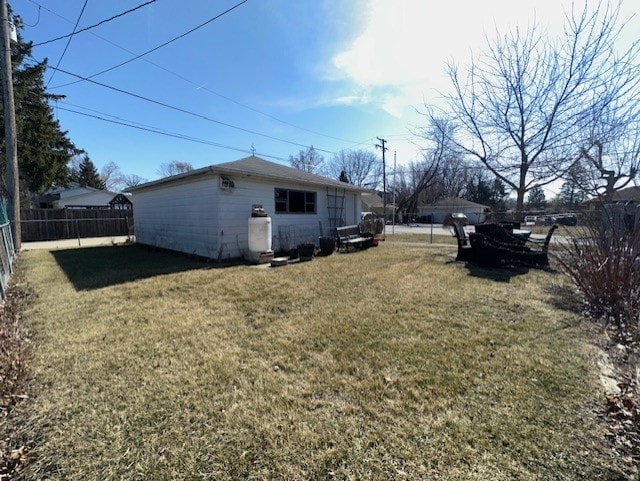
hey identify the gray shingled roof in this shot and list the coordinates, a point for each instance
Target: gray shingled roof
(455, 201)
(270, 170)
(259, 168)
(630, 194)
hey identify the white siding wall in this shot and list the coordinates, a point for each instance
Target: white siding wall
(91, 198)
(475, 215)
(181, 216)
(235, 209)
(196, 216)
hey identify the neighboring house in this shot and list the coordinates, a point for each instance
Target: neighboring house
(436, 212)
(76, 197)
(624, 202)
(629, 196)
(372, 202)
(205, 212)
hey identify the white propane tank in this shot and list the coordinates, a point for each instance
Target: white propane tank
(259, 230)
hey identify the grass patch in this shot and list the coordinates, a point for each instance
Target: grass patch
(390, 363)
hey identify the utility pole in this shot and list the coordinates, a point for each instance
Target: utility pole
(393, 224)
(384, 184)
(11, 142)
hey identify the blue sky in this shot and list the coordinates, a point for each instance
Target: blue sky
(334, 74)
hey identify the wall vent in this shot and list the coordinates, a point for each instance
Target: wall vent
(226, 183)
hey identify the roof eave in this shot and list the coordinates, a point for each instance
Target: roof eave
(319, 182)
(173, 178)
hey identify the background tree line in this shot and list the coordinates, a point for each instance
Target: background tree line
(526, 111)
(442, 172)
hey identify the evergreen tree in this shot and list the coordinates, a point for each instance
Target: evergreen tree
(88, 174)
(479, 191)
(536, 198)
(43, 148)
(570, 195)
(573, 193)
(499, 196)
(487, 192)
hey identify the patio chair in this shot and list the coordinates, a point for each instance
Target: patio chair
(465, 252)
(501, 233)
(547, 240)
(494, 252)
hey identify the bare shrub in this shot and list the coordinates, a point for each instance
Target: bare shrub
(13, 376)
(604, 264)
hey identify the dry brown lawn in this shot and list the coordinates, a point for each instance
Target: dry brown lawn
(391, 363)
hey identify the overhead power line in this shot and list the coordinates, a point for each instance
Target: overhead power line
(37, 20)
(189, 81)
(157, 47)
(95, 24)
(185, 111)
(68, 41)
(171, 134)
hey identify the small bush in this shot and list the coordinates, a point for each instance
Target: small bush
(604, 263)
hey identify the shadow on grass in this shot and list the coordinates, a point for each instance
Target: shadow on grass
(566, 298)
(97, 267)
(502, 273)
(498, 274)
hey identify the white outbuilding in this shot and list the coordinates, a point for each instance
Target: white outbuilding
(205, 212)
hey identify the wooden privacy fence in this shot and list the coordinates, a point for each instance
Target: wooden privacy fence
(53, 224)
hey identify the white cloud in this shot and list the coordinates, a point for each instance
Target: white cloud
(402, 49)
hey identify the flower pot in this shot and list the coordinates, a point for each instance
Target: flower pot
(327, 245)
(306, 251)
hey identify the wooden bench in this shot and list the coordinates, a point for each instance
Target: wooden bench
(350, 235)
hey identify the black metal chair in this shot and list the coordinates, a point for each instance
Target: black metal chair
(502, 250)
(502, 233)
(465, 252)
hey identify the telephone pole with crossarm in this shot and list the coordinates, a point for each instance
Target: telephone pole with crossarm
(11, 142)
(384, 185)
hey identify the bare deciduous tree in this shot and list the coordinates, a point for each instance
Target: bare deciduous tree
(174, 167)
(453, 178)
(132, 180)
(611, 153)
(308, 161)
(110, 174)
(523, 106)
(361, 167)
(116, 180)
(412, 182)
